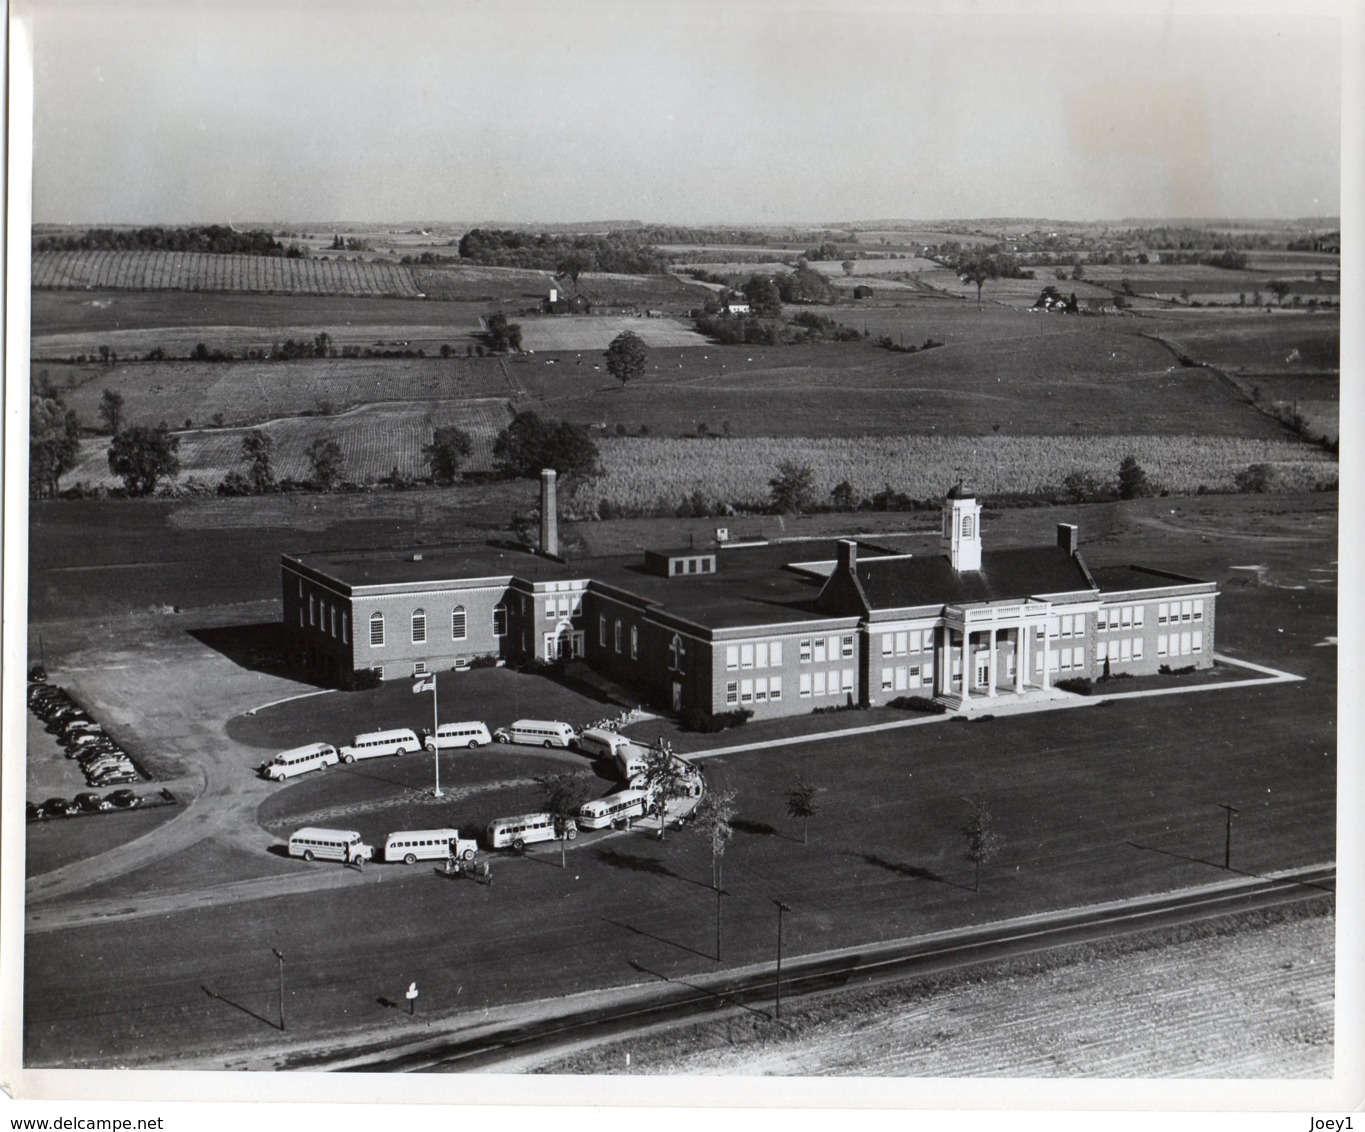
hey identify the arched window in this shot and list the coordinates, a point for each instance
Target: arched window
(457, 624)
(376, 629)
(617, 636)
(635, 642)
(678, 652)
(966, 526)
(499, 620)
(419, 626)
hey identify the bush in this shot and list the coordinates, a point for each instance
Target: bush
(1081, 685)
(704, 722)
(362, 681)
(917, 703)
(1167, 670)
(484, 662)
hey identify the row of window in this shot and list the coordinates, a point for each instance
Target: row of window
(1180, 644)
(904, 678)
(819, 650)
(1121, 617)
(459, 629)
(325, 618)
(1065, 660)
(758, 691)
(907, 641)
(1130, 648)
(1190, 610)
(763, 654)
(822, 683)
(563, 607)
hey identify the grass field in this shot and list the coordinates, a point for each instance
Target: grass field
(375, 439)
(595, 332)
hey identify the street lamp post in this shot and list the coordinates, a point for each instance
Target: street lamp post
(777, 1013)
(1227, 833)
(280, 956)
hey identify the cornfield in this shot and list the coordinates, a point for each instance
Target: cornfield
(639, 473)
(203, 271)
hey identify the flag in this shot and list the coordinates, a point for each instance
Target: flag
(427, 685)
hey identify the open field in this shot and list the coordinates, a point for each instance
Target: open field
(1264, 998)
(639, 470)
(202, 271)
(374, 438)
(595, 332)
(1256, 342)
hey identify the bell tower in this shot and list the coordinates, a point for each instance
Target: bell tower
(962, 529)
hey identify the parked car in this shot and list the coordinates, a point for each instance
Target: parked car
(34, 812)
(125, 799)
(116, 778)
(92, 803)
(37, 674)
(96, 775)
(83, 727)
(60, 808)
(105, 765)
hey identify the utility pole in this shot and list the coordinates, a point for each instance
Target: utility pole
(280, 956)
(777, 1013)
(1227, 834)
(719, 893)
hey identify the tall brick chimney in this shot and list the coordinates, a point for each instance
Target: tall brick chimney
(848, 555)
(549, 513)
(1068, 537)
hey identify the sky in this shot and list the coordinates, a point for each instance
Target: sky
(682, 111)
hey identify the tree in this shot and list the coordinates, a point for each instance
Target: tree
(256, 449)
(979, 269)
(322, 345)
(982, 842)
(792, 488)
(1133, 479)
(803, 802)
(1279, 288)
(848, 266)
(664, 778)
(765, 300)
(713, 816)
(1256, 478)
(841, 497)
(530, 444)
(111, 410)
(561, 794)
(140, 456)
(54, 439)
(627, 357)
(326, 459)
(573, 264)
(502, 335)
(448, 448)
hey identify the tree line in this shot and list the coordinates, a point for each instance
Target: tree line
(622, 252)
(205, 238)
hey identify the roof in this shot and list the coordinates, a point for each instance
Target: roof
(1116, 579)
(1005, 575)
(387, 567)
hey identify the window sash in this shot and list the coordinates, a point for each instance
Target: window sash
(459, 626)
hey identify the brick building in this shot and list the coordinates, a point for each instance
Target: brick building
(778, 628)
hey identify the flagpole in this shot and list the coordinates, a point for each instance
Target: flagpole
(435, 726)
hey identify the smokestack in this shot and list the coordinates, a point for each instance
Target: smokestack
(1068, 537)
(848, 555)
(549, 514)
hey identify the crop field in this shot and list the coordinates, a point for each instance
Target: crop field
(1255, 342)
(595, 332)
(201, 271)
(375, 439)
(517, 286)
(247, 393)
(835, 269)
(638, 471)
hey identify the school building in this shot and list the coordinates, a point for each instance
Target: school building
(778, 628)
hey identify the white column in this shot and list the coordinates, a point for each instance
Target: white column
(1020, 658)
(1047, 652)
(943, 676)
(966, 664)
(990, 665)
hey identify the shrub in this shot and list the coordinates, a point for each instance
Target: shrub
(1081, 685)
(489, 661)
(364, 680)
(705, 722)
(1167, 670)
(917, 703)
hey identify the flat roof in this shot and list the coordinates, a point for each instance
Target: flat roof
(1114, 579)
(388, 566)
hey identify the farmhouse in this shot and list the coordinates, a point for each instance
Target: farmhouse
(777, 628)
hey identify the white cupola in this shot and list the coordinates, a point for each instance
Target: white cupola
(962, 529)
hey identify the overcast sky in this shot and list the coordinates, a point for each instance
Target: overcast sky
(688, 112)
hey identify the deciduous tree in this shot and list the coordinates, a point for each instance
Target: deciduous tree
(561, 793)
(140, 456)
(531, 443)
(1133, 479)
(627, 357)
(803, 802)
(981, 841)
(54, 439)
(978, 269)
(446, 453)
(792, 488)
(256, 450)
(326, 459)
(111, 410)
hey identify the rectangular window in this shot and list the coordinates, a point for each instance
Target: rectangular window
(1184, 640)
(300, 616)
(1102, 620)
(820, 682)
(1065, 630)
(732, 692)
(312, 610)
(1163, 613)
(731, 657)
(1199, 609)
(602, 630)
(419, 667)
(761, 655)
(635, 642)
(376, 630)
(1198, 640)
(746, 691)
(847, 683)
(333, 618)
(617, 636)
(576, 605)
(761, 690)
(563, 607)
(1127, 617)
(458, 628)
(1101, 651)
(345, 628)
(419, 628)
(1080, 624)
(901, 680)
(820, 650)
(803, 686)
(846, 645)
(1139, 616)
(1137, 648)
(886, 679)
(549, 609)
(833, 646)
(775, 688)
(805, 652)
(1126, 649)
(499, 620)
(775, 654)
(888, 644)
(1078, 657)
(746, 656)
(1161, 644)
(902, 643)
(1186, 610)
